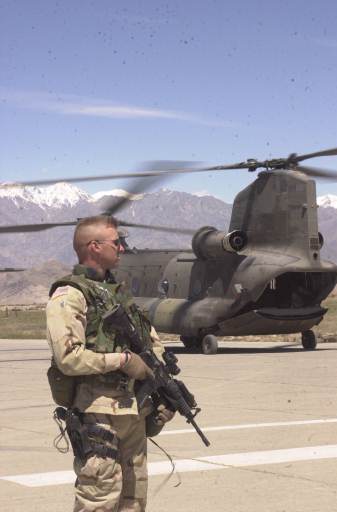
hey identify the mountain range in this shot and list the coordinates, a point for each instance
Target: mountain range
(66, 202)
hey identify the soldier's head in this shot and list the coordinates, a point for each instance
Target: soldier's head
(96, 242)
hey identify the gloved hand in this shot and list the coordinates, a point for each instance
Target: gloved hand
(164, 415)
(135, 367)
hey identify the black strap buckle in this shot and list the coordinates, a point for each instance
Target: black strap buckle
(101, 433)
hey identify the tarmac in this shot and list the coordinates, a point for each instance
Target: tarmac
(268, 409)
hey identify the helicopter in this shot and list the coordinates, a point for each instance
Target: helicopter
(264, 276)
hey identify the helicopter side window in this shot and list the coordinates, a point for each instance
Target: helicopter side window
(163, 287)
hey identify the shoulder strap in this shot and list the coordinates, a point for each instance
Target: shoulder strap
(75, 282)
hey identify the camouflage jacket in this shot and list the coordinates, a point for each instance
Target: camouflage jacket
(82, 347)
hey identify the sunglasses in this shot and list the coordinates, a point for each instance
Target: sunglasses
(116, 242)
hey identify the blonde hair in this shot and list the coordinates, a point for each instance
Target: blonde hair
(86, 230)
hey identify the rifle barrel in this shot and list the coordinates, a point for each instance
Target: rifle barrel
(199, 431)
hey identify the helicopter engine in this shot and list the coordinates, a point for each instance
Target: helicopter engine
(210, 243)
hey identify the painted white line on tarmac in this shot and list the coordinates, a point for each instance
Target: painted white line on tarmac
(42, 479)
(210, 463)
(250, 425)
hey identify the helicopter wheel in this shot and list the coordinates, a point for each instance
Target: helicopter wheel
(209, 344)
(309, 341)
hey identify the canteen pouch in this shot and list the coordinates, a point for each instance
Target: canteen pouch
(62, 386)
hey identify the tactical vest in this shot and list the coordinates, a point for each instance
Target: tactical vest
(101, 296)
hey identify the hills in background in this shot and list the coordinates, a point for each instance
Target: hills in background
(64, 202)
(51, 254)
(30, 286)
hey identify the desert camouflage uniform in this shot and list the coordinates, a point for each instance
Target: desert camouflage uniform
(103, 484)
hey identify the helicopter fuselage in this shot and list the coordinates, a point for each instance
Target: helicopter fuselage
(264, 293)
(273, 284)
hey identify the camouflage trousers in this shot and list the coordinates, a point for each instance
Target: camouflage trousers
(114, 485)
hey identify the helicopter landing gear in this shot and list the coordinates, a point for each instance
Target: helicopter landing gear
(309, 341)
(209, 344)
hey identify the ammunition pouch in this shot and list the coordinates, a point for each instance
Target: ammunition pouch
(62, 386)
(86, 440)
(115, 380)
(98, 437)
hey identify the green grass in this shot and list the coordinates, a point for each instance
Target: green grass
(329, 324)
(31, 324)
(22, 324)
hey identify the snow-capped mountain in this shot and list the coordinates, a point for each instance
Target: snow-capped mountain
(55, 196)
(65, 194)
(116, 192)
(65, 202)
(329, 200)
(59, 195)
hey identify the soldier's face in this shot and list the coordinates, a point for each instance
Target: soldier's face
(107, 247)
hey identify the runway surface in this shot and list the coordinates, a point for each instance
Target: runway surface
(269, 410)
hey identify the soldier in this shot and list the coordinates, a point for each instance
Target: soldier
(101, 372)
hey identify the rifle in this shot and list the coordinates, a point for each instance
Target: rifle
(163, 386)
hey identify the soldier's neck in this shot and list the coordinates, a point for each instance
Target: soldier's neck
(99, 270)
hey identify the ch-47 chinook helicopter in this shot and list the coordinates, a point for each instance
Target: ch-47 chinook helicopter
(265, 276)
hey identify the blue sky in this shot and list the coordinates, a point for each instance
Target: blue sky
(98, 86)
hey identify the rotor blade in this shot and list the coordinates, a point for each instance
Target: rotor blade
(28, 228)
(162, 170)
(97, 177)
(113, 205)
(317, 173)
(10, 269)
(168, 229)
(155, 172)
(167, 168)
(327, 152)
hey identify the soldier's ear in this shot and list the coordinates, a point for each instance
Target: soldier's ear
(94, 247)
